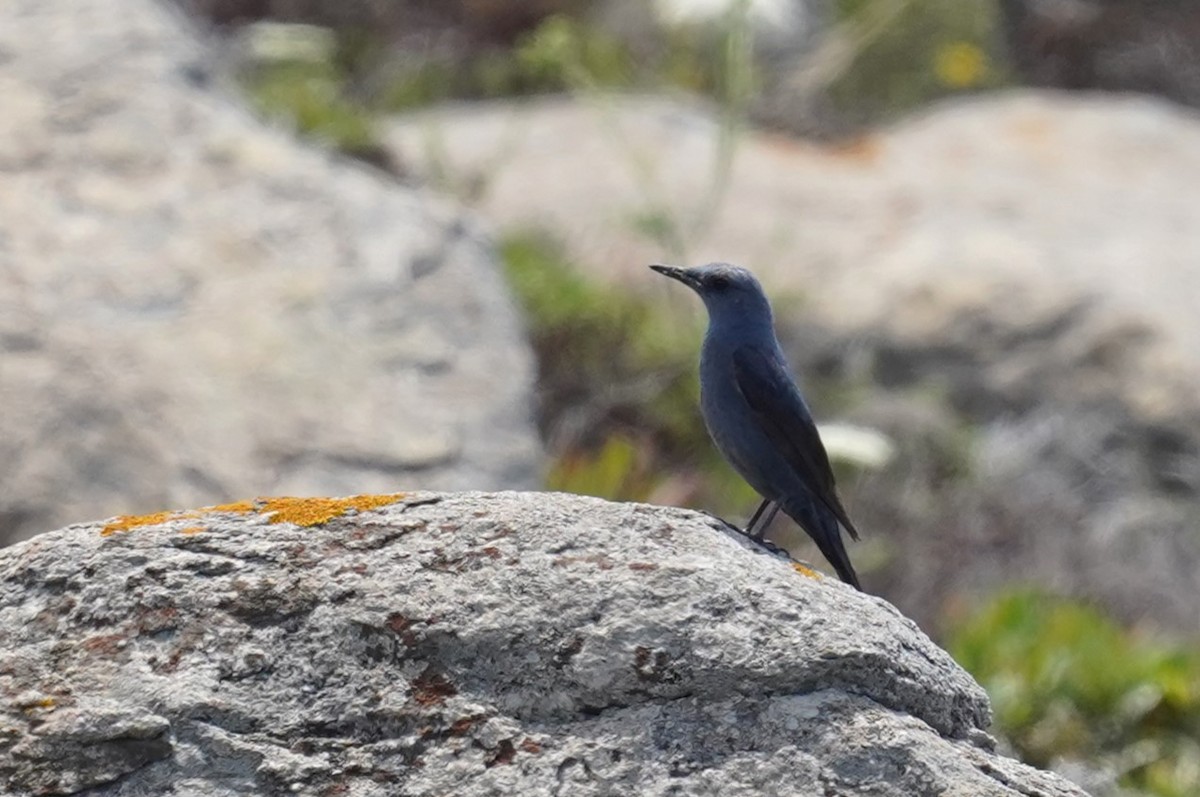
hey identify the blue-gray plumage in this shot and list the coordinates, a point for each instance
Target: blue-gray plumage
(756, 415)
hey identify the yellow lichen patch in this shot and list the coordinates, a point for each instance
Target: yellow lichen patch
(805, 570)
(240, 507)
(315, 511)
(364, 503)
(48, 703)
(128, 522)
(300, 511)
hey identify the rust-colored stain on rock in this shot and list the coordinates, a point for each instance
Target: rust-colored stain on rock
(505, 753)
(431, 688)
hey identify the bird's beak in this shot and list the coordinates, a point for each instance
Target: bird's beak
(682, 274)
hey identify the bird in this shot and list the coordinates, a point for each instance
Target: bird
(757, 417)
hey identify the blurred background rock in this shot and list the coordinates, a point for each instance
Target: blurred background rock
(977, 218)
(195, 307)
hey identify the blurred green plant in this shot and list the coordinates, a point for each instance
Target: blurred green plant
(310, 94)
(355, 77)
(880, 58)
(890, 56)
(1067, 682)
(616, 468)
(558, 55)
(566, 53)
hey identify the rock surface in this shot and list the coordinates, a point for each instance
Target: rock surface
(514, 643)
(193, 305)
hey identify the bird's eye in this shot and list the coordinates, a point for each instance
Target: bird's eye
(720, 282)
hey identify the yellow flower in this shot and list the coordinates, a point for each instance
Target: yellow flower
(960, 64)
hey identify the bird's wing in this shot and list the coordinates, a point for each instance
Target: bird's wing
(771, 394)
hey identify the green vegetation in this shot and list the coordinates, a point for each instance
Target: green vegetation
(882, 57)
(890, 56)
(1067, 682)
(310, 94)
(562, 53)
(335, 89)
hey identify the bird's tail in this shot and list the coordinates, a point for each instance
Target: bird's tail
(822, 526)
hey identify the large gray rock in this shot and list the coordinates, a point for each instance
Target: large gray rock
(193, 305)
(471, 644)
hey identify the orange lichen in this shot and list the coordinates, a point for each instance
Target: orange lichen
(300, 511)
(805, 570)
(315, 511)
(240, 507)
(48, 703)
(128, 522)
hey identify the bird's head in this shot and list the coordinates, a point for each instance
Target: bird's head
(731, 294)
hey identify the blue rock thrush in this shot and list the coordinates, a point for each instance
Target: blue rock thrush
(756, 415)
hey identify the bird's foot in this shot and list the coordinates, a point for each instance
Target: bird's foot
(726, 524)
(771, 547)
(759, 540)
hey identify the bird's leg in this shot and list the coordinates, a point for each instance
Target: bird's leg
(723, 522)
(757, 514)
(756, 529)
(763, 517)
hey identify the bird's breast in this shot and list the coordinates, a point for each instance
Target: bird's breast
(728, 416)
(735, 428)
